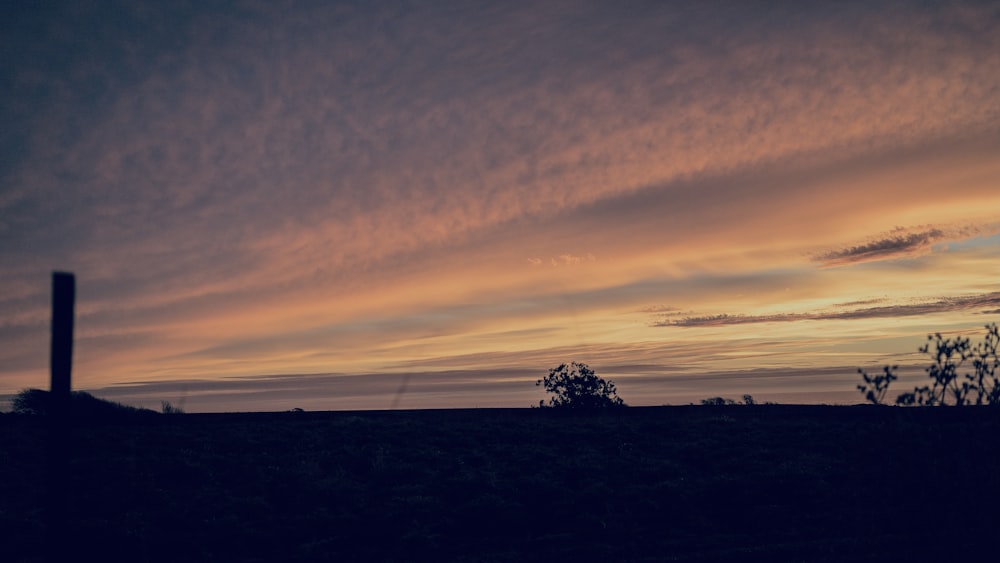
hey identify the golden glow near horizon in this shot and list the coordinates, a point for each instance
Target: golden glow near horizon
(447, 210)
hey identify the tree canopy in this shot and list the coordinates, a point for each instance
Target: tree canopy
(576, 386)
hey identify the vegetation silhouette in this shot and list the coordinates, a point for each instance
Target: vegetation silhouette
(876, 386)
(748, 400)
(980, 386)
(576, 386)
(167, 408)
(81, 405)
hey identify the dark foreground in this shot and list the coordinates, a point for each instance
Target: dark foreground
(772, 483)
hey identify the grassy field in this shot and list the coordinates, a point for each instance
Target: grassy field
(769, 482)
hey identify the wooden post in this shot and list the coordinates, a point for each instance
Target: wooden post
(58, 540)
(61, 360)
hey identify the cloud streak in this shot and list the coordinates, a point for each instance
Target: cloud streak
(943, 305)
(893, 246)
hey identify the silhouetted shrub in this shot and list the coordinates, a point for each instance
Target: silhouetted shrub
(30, 401)
(83, 404)
(981, 386)
(876, 386)
(576, 386)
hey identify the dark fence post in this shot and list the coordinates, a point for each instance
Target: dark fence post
(61, 360)
(58, 541)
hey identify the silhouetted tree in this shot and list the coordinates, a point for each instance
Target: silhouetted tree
(576, 386)
(949, 386)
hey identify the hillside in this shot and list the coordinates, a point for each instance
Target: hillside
(771, 482)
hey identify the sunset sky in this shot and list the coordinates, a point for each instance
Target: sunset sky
(371, 205)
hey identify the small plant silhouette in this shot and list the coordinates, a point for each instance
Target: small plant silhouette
(576, 386)
(167, 408)
(948, 385)
(876, 386)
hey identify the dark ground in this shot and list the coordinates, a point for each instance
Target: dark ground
(770, 483)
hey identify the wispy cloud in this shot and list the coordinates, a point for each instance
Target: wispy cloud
(658, 309)
(893, 246)
(904, 242)
(942, 305)
(563, 260)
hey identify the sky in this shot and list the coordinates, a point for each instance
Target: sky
(428, 204)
